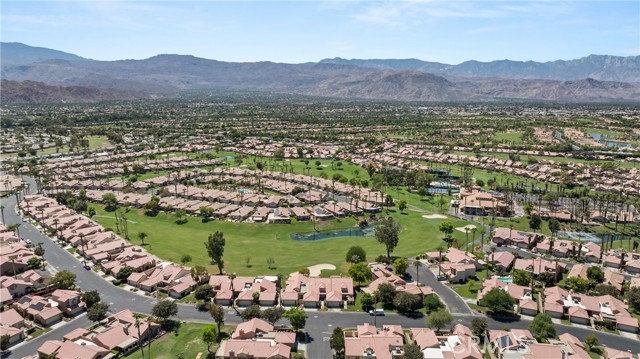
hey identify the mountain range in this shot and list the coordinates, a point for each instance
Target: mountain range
(68, 77)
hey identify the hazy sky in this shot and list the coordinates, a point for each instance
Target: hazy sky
(300, 31)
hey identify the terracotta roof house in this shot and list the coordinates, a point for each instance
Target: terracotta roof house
(521, 239)
(502, 261)
(313, 291)
(610, 277)
(83, 349)
(39, 309)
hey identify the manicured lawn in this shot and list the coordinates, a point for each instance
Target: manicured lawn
(515, 137)
(185, 340)
(260, 241)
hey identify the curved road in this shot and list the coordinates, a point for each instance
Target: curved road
(319, 325)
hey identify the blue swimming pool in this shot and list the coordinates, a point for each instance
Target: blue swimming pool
(506, 279)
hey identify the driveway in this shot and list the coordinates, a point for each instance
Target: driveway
(455, 304)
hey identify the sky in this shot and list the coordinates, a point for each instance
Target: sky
(448, 31)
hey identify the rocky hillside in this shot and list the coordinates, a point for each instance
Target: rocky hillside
(14, 92)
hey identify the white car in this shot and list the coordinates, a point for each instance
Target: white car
(28, 241)
(376, 312)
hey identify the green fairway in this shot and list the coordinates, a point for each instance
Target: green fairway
(260, 241)
(184, 340)
(514, 137)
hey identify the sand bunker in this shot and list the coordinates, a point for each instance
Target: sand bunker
(314, 271)
(462, 229)
(434, 216)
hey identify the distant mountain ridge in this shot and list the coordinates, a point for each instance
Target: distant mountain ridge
(14, 92)
(599, 67)
(167, 75)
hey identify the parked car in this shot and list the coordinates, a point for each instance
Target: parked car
(376, 312)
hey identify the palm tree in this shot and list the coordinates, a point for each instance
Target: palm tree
(13, 265)
(83, 243)
(232, 276)
(440, 250)
(137, 316)
(142, 236)
(417, 264)
(2, 212)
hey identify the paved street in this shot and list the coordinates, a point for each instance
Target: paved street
(319, 325)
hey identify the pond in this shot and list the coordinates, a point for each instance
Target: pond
(605, 141)
(588, 237)
(350, 232)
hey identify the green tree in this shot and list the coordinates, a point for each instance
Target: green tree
(578, 284)
(297, 318)
(186, 258)
(142, 236)
(252, 311)
(215, 248)
(432, 303)
(498, 301)
(595, 274)
(152, 207)
(522, 277)
(447, 229)
(209, 334)
(386, 233)
(591, 341)
(528, 208)
(272, 315)
(406, 303)
(412, 351)
(554, 226)
(98, 311)
(542, 327)
(402, 205)
(165, 309)
(206, 213)
(368, 301)
(63, 280)
(217, 314)
(633, 298)
(356, 254)
(385, 293)
(125, 272)
(181, 216)
(535, 221)
(110, 202)
(359, 272)
(203, 292)
(479, 326)
(336, 342)
(400, 265)
(90, 298)
(439, 319)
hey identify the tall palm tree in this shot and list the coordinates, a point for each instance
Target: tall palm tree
(417, 264)
(137, 316)
(232, 276)
(83, 243)
(440, 250)
(13, 265)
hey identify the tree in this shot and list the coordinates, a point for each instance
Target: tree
(152, 207)
(63, 280)
(206, 213)
(186, 258)
(142, 236)
(209, 334)
(633, 297)
(252, 311)
(98, 311)
(215, 249)
(528, 208)
(368, 301)
(412, 351)
(110, 202)
(402, 205)
(400, 265)
(33, 262)
(90, 298)
(432, 303)
(203, 292)
(595, 274)
(125, 272)
(447, 229)
(535, 221)
(91, 211)
(217, 314)
(592, 341)
(359, 272)
(272, 315)
(439, 319)
(386, 233)
(578, 284)
(521, 277)
(165, 309)
(479, 326)
(39, 251)
(336, 342)
(554, 226)
(406, 303)
(181, 216)
(385, 293)
(356, 254)
(542, 327)
(297, 318)
(604, 289)
(498, 301)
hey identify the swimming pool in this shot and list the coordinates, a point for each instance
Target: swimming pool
(506, 279)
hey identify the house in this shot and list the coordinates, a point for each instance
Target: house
(382, 275)
(539, 266)
(501, 261)
(69, 301)
(478, 203)
(523, 295)
(257, 339)
(558, 248)
(39, 310)
(507, 236)
(610, 277)
(312, 292)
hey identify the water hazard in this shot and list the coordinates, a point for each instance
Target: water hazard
(351, 232)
